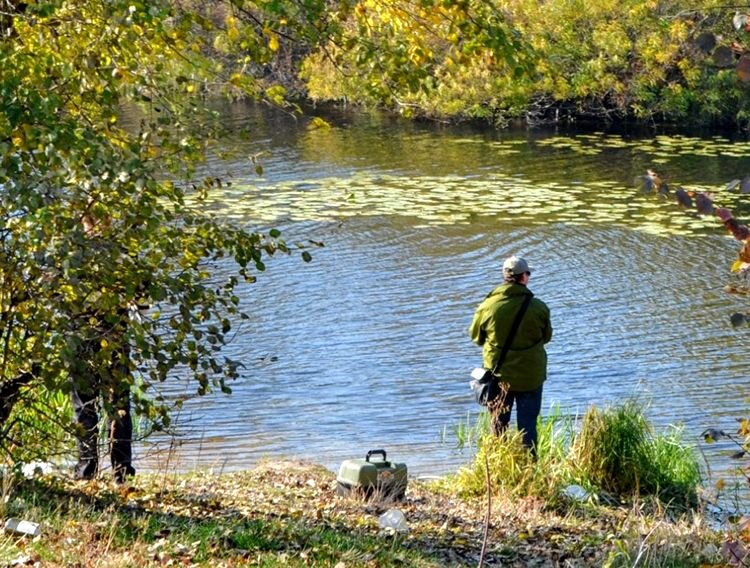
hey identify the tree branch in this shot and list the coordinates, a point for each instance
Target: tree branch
(10, 391)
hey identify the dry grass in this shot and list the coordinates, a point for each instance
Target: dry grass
(287, 514)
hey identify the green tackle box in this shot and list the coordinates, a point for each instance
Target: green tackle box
(372, 479)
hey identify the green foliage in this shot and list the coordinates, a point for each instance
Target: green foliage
(557, 59)
(611, 448)
(93, 220)
(38, 425)
(615, 451)
(675, 470)
(405, 53)
(468, 434)
(512, 470)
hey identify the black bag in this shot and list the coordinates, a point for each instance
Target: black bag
(487, 387)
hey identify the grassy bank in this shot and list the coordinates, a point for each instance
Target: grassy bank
(287, 514)
(612, 454)
(608, 491)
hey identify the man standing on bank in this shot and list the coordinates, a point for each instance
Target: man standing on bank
(524, 370)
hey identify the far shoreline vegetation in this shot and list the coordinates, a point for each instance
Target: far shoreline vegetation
(639, 63)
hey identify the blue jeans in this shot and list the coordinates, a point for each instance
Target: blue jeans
(528, 406)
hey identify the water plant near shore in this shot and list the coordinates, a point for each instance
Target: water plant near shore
(614, 454)
(618, 451)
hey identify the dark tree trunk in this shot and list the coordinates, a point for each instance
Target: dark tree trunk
(8, 9)
(10, 391)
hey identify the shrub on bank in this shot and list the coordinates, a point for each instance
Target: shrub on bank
(616, 453)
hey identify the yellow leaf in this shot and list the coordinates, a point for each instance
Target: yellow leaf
(104, 343)
(318, 122)
(273, 43)
(737, 266)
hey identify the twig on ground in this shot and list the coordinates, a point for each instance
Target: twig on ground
(487, 513)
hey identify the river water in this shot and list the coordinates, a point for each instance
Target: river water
(366, 346)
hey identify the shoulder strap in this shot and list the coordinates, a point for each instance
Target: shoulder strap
(512, 333)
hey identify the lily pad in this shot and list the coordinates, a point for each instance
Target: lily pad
(723, 56)
(706, 42)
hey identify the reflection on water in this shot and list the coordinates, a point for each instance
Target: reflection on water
(366, 347)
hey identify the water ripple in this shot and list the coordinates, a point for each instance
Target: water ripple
(372, 350)
(367, 345)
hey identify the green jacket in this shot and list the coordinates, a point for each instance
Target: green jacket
(525, 366)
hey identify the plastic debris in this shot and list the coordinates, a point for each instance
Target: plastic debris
(393, 519)
(32, 469)
(18, 526)
(575, 492)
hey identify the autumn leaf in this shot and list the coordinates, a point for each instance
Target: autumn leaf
(711, 435)
(683, 198)
(704, 203)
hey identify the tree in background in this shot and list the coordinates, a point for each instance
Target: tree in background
(92, 217)
(93, 221)
(672, 61)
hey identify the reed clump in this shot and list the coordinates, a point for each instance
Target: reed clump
(613, 453)
(618, 451)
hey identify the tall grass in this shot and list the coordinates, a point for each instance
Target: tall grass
(513, 471)
(618, 451)
(611, 449)
(614, 452)
(467, 433)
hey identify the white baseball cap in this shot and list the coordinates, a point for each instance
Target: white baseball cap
(515, 265)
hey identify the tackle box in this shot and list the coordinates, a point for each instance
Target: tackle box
(372, 478)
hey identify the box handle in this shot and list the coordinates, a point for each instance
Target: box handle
(374, 452)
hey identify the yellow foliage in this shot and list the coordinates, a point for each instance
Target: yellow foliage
(582, 51)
